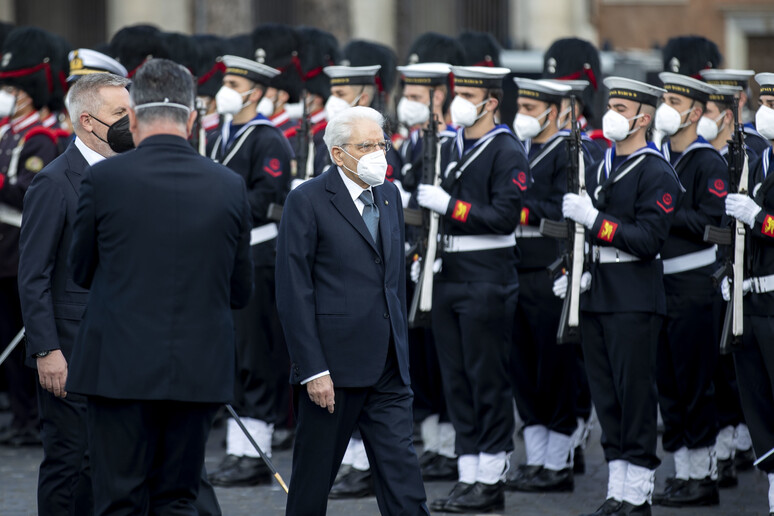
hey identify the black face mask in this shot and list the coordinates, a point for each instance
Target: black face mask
(118, 136)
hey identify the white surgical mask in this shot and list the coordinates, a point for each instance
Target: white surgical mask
(527, 127)
(7, 104)
(615, 126)
(265, 107)
(371, 168)
(335, 105)
(295, 110)
(764, 122)
(229, 101)
(668, 119)
(411, 112)
(708, 128)
(464, 113)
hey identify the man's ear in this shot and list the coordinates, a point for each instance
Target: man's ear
(491, 104)
(191, 118)
(85, 122)
(336, 154)
(132, 121)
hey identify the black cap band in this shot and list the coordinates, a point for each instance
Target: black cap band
(636, 96)
(687, 91)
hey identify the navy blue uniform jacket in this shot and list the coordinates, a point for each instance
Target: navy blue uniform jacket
(162, 238)
(340, 297)
(52, 304)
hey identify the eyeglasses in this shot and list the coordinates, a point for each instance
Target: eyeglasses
(369, 147)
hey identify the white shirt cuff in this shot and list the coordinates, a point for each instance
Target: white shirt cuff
(315, 377)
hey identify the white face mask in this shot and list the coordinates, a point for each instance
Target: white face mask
(527, 127)
(464, 113)
(615, 126)
(230, 101)
(562, 114)
(764, 122)
(335, 105)
(265, 107)
(411, 112)
(7, 104)
(708, 128)
(295, 111)
(668, 119)
(371, 168)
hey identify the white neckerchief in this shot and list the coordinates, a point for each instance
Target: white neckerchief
(355, 190)
(90, 155)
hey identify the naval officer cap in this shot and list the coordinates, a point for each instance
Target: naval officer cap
(542, 89)
(766, 82)
(425, 74)
(479, 76)
(249, 69)
(726, 76)
(352, 75)
(686, 86)
(625, 88)
(85, 61)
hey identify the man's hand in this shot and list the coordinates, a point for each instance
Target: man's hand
(52, 373)
(321, 392)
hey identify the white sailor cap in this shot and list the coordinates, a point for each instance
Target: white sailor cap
(249, 69)
(84, 61)
(725, 93)
(766, 82)
(479, 76)
(726, 76)
(352, 75)
(425, 74)
(686, 86)
(625, 88)
(577, 86)
(545, 90)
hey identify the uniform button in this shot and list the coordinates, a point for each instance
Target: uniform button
(386, 315)
(378, 261)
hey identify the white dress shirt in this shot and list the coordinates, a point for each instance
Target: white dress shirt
(91, 156)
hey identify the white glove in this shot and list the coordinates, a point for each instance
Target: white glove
(405, 197)
(561, 284)
(416, 268)
(437, 265)
(433, 198)
(725, 288)
(742, 208)
(579, 209)
(295, 183)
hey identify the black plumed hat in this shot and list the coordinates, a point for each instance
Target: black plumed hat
(432, 47)
(28, 63)
(687, 55)
(481, 49)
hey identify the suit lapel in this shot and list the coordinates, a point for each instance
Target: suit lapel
(76, 164)
(385, 221)
(343, 202)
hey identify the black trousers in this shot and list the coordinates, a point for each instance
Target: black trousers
(542, 371)
(686, 362)
(383, 414)
(620, 353)
(426, 376)
(64, 478)
(20, 378)
(728, 406)
(259, 340)
(147, 456)
(472, 324)
(755, 375)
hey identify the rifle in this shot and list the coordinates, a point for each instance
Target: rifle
(201, 108)
(427, 246)
(305, 143)
(733, 268)
(572, 260)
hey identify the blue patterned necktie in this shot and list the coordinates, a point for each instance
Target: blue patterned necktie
(370, 213)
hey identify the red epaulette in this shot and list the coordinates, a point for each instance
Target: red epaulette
(291, 132)
(320, 127)
(598, 135)
(53, 134)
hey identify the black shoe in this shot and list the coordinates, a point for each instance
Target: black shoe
(579, 464)
(611, 506)
(548, 481)
(482, 498)
(524, 473)
(727, 473)
(628, 509)
(672, 484)
(228, 462)
(442, 468)
(247, 471)
(282, 439)
(693, 493)
(427, 458)
(355, 484)
(459, 489)
(744, 459)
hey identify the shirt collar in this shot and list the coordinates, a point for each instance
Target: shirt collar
(91, 156)
(353, 188)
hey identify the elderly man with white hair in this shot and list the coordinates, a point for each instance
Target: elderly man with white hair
(342, 303)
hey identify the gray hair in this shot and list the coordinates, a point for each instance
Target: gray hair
(163, 81)
(83, 96)
(339, 128)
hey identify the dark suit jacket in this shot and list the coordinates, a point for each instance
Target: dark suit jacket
(52, 304)
(340, 297)
(162, 238)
